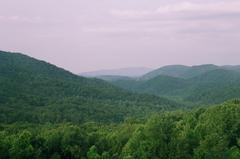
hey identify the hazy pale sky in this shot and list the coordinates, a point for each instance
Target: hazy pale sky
(86, 35)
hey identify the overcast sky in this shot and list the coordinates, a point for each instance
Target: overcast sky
(86, 35)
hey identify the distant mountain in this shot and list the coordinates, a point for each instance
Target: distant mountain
(171, 70)
(214, 87)
(205, 84)
(38, 92)
(180, 71)
(233, 68)
(129, 72)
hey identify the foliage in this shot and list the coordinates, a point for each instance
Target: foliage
(212, 133)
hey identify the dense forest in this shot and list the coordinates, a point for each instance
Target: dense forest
(49, 113)
(197, 85)
(205, 133)
(38, 92)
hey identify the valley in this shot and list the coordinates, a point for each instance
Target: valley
(175, 112)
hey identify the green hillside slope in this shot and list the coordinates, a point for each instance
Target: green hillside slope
(215, 87)
(211, 87)
(171, 70)
(181, 71)
(36, 91)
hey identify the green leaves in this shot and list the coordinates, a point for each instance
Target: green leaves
(92, 153)
(22, 147)
(211, 133)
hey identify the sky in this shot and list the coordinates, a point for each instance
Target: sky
(88, 35)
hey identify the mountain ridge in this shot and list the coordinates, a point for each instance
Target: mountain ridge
(206, 86)
(180, 71)
(36, 91)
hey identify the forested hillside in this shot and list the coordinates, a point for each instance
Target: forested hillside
(212, 87)
(186, 72)
(38, 92)
(49, 113)
(120, 79)
(212, 133)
